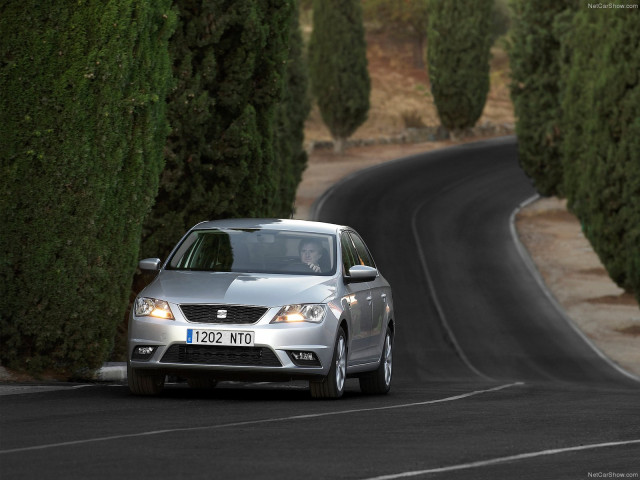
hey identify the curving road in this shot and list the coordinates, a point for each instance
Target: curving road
(491, 381)
(439, 225)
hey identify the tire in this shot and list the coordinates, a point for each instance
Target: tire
(143, 382)
(378, 382)
(332, 386)
(201, 383)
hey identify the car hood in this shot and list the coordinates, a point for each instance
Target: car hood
(240, 288)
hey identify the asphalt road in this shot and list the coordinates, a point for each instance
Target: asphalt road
(491, 381)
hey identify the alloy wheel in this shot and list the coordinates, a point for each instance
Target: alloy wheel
(341, 363)
(388, 360)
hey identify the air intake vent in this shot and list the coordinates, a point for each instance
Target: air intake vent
(223, 314)
(209, 355)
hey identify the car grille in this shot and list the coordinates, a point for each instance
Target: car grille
(223, 314)
(210, 355)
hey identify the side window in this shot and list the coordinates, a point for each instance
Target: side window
(349, 256)
(363, 252)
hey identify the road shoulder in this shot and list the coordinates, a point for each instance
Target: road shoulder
(573, 273)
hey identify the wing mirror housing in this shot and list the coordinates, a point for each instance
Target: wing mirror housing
(361, 273)
(152, 264)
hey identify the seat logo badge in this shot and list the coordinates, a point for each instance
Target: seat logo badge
(222, 314)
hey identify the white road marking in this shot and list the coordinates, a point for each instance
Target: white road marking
(10, 389)
(257, 422)
(432, 290)
(510, 458)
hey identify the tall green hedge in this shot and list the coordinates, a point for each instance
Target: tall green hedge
(458, 52)
(601, 124)
(82, 127)
(229, 61)
(338, 67)
(536, 58)
(292, 111)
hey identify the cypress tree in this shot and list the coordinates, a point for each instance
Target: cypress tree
(458, 51)
(535, 60)
(601, 121)
(292, 112)
(83, 124)
(338, 67)
(229, 60)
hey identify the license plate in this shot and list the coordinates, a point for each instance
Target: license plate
(220, 337)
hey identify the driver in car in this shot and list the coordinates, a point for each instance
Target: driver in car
(313, 255)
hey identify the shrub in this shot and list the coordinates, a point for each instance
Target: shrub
(83, 124)
(601, 121)
(291, 113)
(535, 58)
(229, 63)
(412, 119)
(338, 67)
(459, 42)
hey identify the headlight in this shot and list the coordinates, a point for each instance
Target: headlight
(313, 312)
(152, 307)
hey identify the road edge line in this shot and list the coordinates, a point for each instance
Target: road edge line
(533, 269)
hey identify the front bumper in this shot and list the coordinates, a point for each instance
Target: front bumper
(270, 357)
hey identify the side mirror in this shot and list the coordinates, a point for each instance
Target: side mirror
(362, 273)
(152, 264)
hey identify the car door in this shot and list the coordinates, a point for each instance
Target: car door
(357, 300)
(377, 298)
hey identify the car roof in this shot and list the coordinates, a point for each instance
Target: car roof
(272, 224)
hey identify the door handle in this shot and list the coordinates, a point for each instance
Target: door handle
(384, 297)
(369, 298)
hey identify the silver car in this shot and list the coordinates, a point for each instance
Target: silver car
(268, 300)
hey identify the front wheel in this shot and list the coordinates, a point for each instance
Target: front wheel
(332, 386)
(143, 382)
(379, 381)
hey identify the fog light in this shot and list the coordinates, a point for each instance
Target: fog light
(143, 352)
(303, 358)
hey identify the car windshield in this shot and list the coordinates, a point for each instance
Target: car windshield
(256, 251)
